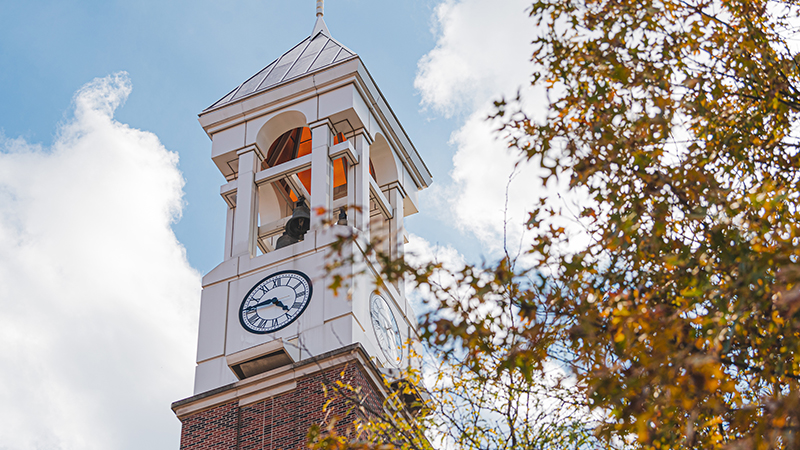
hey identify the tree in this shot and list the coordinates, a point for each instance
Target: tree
(673, 123)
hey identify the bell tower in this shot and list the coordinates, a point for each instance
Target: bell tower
(310, 151)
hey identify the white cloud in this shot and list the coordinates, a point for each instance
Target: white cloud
(98, 304)
(483, 172)
(483, 53)
(419, 250)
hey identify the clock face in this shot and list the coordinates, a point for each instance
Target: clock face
(275, 302)
(386, 330)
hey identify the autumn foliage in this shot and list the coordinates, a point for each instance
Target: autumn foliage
(674, 125)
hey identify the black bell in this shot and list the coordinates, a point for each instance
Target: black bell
(297, 226)
(300, 221)
(285, 240)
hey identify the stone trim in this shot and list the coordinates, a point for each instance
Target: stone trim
(280, 380)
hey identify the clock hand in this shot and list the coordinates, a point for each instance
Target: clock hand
(280, 304)
(264, 303)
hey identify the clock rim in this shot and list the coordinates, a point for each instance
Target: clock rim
(394, 320)
(310, 294)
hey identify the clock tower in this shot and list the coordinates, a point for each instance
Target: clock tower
(310, 151)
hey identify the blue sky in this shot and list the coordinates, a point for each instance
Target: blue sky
(109, 202)
(182, 56)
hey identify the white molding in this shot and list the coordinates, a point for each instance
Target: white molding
(344, 149)
(277, 381)
(363, 131)
(250, 148)
(324, 121)
(363, 82)
(213, 126)
(395, 185)
(228, 193)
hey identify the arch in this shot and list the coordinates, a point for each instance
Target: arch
(277, 126)
(274, 200)
(383, 161)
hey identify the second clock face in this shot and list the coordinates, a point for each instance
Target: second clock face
(275, 302)
(386, 330)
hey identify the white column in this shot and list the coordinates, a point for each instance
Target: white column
(321, 171)
(246, 217)
(361, 218)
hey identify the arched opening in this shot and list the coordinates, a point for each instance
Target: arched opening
(383, 164)
(291, 145)
(278, 199)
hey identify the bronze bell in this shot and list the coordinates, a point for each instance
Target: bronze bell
(297, 226)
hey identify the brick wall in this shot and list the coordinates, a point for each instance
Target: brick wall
(277, 423)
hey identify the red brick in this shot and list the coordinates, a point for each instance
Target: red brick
(278, 423)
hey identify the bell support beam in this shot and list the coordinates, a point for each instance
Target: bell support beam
(380, 199)
(321, 171)
(289, 168)
(229, 232)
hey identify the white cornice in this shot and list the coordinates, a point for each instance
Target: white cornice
(314, 85)
(280, 380)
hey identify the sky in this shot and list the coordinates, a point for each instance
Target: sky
(109, 202)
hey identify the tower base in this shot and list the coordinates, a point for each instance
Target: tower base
(274, 410)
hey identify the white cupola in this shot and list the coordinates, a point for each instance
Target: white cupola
(310, 133)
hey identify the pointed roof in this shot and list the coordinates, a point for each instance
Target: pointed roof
(315, 53)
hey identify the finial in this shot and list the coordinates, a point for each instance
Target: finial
(320, 26)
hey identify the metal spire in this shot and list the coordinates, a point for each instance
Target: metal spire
(320, 26)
